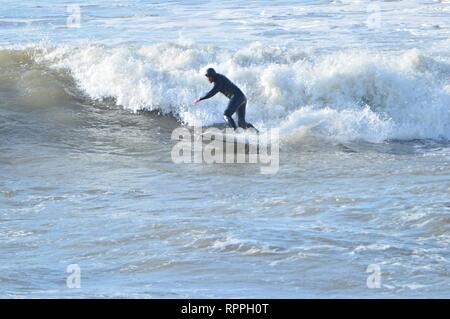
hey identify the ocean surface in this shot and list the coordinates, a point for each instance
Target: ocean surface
(90, 94)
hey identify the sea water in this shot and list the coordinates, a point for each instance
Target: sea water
(91, 92)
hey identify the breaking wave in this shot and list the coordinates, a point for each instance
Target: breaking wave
(348, 95)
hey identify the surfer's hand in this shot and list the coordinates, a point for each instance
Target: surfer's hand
(196, 101)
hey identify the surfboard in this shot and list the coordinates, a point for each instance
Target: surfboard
(248, 136)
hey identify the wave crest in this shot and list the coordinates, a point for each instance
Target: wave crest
(346, 95)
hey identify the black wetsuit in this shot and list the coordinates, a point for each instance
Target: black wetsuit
(238, 101)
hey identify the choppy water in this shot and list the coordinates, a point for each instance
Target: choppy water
(360, 92)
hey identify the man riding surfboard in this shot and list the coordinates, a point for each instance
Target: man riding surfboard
(238, 101)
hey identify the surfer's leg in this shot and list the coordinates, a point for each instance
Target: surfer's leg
(241, 116)
(231, 109)
(229, 121)
(241, 113)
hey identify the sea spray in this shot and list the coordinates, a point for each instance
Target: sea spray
(349, 94)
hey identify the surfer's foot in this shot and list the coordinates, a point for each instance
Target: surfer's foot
(250, 126)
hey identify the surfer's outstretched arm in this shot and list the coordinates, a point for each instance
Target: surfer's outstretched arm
(210, 94)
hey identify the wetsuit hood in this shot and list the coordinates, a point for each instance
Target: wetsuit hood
(211, 73)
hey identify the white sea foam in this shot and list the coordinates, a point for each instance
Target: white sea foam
(346, 95)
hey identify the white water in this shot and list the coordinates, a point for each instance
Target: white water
(360, 91)
(350, 94)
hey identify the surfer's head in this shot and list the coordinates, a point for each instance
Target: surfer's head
(210, 74)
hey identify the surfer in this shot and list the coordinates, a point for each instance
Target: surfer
(237, 103)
